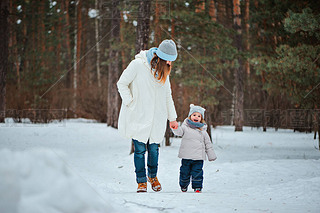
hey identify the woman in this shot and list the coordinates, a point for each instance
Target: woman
(147, 103)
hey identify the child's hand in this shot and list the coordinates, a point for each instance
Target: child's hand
(174, 125)
(213, 159)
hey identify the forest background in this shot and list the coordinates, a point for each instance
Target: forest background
(248, 62)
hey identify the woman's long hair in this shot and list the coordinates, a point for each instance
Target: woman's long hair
(161, 69)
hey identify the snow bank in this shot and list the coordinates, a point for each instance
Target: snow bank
(38, 181)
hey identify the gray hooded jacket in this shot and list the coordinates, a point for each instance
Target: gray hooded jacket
(195, 143)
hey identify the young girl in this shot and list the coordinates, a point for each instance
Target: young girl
(195, 144)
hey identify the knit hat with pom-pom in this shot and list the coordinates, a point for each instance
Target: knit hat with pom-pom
(194, 108)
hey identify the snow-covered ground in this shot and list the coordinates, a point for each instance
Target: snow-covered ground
(80, 166)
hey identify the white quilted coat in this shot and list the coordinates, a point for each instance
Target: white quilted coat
(195, 143)
(146, 103)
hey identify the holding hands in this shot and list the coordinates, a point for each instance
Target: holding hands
(174, 125)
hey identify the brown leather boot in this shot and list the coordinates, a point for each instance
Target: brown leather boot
(142, 187)
(155, 185)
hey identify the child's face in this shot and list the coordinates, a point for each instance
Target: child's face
(196, 117)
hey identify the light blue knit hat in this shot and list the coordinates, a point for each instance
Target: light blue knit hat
(194, 108)
(167, 50)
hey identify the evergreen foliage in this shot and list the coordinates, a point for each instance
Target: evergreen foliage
(284, 38)
(293, 70)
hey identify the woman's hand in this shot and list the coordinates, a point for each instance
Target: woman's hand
(174, 125)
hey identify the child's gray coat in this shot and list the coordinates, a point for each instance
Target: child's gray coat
(195, 143)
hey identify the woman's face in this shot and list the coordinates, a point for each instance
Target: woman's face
(196, 117)
(169, 63)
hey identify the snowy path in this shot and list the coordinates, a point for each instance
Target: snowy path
(255, 172)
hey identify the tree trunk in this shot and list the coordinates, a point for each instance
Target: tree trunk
(238, 74)
(41, 33)
(32, 59)
(221, 12)
(143, 25)
(319, 133)
(113, 72)
(212, 11)
(97, 7)
(317, 128)
(157, 32)
(247, 27)
(264, 115)
(123, 57)
(68, 46)
(14, 47)
(79, 42)
(208, 116)
(74, 101)
(229, 13)
(77, 51)
(23, 61)
(167, 135)
(4, 54)
(233, 103)
(250, 90)
(83, 82)
(58, 48)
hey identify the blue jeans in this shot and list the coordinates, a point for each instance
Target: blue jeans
(139, 160)
(191, 168)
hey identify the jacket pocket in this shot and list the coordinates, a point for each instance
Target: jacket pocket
(132, 105)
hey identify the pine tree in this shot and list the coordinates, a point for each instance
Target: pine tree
(292, 69)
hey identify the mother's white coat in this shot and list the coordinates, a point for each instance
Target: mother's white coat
(146, 103)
